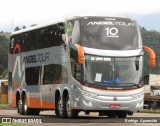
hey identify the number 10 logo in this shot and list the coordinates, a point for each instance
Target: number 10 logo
(112, 32)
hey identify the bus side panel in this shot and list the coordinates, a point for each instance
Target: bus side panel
(11, 92)
(37, 103)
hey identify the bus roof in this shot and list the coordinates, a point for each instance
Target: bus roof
(55, 22)
(38, 26)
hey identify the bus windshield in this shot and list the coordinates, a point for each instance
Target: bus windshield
(110, 33)
(113, 71)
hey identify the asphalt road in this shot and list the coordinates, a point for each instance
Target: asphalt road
(49, 118)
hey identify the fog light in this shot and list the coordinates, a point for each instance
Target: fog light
(76, 104)
(140, 104)
(88, 103)
(77, 99)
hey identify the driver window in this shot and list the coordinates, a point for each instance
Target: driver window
(76, 71)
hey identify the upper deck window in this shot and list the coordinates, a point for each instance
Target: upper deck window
(39, 38)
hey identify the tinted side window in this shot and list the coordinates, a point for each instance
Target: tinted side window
(32, 75)
(39, 38)
(76, 71)
(52, 74)
(27, 41)
(14, 40)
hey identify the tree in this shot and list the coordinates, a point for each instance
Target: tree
(24, 27)
(5, 74)
(17, 28)
(33, 25)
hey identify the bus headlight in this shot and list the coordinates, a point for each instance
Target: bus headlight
(86, 93)
(87, 103)
(139, 95)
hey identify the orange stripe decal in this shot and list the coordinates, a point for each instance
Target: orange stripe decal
(36, 103)
(15, 84)
(12, 99)
(31, 102)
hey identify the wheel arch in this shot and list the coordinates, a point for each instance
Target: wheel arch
(23, 94)
(57, 94)
(65, 93)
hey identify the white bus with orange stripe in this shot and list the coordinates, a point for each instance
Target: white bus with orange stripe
(90, 64)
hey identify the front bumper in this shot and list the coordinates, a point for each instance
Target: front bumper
(109, 103)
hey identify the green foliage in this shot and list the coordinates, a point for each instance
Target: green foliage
(17, 29)
(152, 40)
(5, 73)
(5, 34)
(12, 124)
(149, 111)
(3, 105)
(4, 42)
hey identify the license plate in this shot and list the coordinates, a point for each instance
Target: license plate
(114, 105)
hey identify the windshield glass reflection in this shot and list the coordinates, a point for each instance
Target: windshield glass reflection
(108, 71)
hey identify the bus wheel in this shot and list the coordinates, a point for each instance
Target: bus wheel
(70, 112)
(18, 104)
(20, 109)
(61, 110)
(56, 105)
(111, 114)
(122, 114)
(24, 109)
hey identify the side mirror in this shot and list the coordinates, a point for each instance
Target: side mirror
(80, 54)
(137, 63)
(152, 56)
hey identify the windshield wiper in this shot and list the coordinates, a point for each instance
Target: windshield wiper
(104, 83)
(129, 84)
(91, 84)
(138, 85)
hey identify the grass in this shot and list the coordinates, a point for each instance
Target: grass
(3, 105)
(149, 111)
(11, 124)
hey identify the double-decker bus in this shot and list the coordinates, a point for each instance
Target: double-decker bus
(90, 64)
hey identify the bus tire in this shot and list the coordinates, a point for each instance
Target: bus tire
(21, 110)
(19, 106)
(56, 104)
(61, 109)
(24, 109)
(71, 113)
(18, 103)
(111, 114)
(122, 114)
(18, 109)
